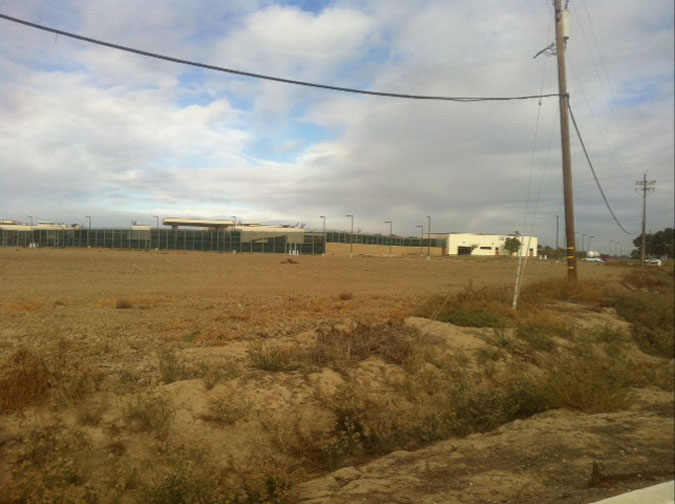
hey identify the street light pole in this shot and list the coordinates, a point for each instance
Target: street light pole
(421, 226)
(234, 224)
(88, 228)
(325, 241)
(158, 241)
(583, 239)
(429, 236)
(557, 236)
(32, 231)
(351, 235)
(589, 242)
(390, 234)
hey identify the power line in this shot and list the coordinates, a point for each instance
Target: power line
(583, 146)
(603, 77)
(172, 59)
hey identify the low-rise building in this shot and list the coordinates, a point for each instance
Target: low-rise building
(482, 244)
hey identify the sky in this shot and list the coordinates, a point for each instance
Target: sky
(89, 130)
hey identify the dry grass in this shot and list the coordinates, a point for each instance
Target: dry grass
(430, 406)
(123, 304)
(228, 407)
(150, 413)
(189, 477)
(23, 305)
(475, 308)
(170, 368)
(649, 307)
(650, 279)
(593, 293)
(213, 374)
(413, 390)
(273, 356)
(339, 348)
(24, 379)
(56, 465)
(586, 382)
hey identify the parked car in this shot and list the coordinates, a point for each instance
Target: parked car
(593, 259)
(653, 261)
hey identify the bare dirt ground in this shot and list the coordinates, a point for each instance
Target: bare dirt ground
(200, 377)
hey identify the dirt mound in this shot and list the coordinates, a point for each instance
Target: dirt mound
(550, 454)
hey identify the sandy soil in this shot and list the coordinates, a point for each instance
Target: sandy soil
(209, 309)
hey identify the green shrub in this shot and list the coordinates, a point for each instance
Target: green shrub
(479, 317)
(482, 408)
(470, 308)
(537, 337)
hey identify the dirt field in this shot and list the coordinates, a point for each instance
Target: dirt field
(89, 274)
(201, 377)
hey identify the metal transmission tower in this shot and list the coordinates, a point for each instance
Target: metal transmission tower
(644, 186)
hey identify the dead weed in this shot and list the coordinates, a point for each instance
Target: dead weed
(24, 379)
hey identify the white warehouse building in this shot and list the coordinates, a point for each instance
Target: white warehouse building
(480, 244)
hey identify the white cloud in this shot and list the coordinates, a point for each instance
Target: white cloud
(87, 128)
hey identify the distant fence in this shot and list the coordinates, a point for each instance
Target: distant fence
(203, 240)
(384, 239)
(163, 239)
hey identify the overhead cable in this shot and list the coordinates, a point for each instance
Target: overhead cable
(583, 146)
(270, 77)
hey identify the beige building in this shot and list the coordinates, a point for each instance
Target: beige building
(481, 244)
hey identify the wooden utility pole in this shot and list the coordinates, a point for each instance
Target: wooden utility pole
(644, 186)
(560, 41)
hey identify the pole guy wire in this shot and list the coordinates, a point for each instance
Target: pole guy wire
(590, 164)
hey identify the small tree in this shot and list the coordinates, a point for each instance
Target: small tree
(512, 245)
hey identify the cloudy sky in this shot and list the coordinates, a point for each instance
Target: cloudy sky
(88, 130)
